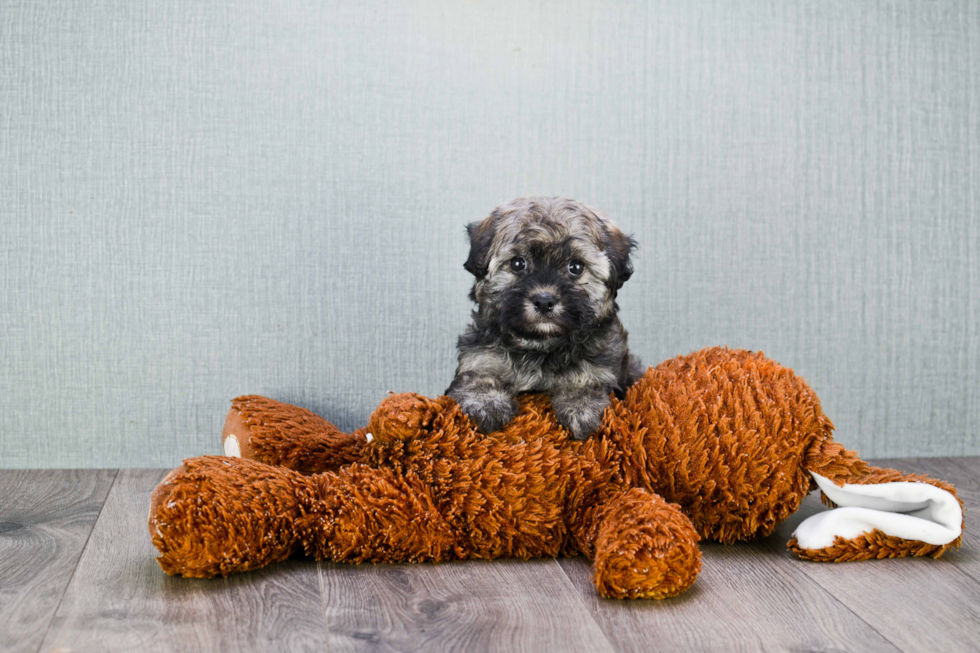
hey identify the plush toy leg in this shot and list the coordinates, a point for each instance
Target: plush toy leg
(275, 433)
(643, 547)
(218, 515)
(214, 516)
(882, 513)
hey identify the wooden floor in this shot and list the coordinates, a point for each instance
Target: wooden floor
(77, 572)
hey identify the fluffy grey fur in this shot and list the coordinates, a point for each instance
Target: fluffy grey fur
(547, 272)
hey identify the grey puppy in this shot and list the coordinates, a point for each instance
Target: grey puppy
(547, 272)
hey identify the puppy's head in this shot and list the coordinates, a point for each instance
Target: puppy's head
(546, 268)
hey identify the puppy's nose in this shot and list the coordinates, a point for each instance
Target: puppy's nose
(544, 302)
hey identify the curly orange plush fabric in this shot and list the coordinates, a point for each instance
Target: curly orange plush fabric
(718, 444)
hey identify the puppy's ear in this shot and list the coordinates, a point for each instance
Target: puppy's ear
(481, 235)
(618, 247)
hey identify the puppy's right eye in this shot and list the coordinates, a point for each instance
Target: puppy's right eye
(518, 264)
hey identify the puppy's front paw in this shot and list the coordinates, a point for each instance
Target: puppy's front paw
(580, 424)
(580, 413)
(485, 399)
(490, 413)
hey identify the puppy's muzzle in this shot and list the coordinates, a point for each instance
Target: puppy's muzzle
(544, 302)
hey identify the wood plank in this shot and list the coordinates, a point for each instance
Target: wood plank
(501, 605)
(748, 597)
(120, 600)
(919, 604)
(46, 517)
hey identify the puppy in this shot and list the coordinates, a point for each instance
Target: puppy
(547, 272)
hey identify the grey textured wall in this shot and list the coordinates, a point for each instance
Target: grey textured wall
(205, 199)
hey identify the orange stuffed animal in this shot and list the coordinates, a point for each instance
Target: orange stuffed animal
(721, 444)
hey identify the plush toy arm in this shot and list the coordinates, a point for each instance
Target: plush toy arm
(217, 515)
(410, 416)
(879, 513)
(275, 433)
(642, 546)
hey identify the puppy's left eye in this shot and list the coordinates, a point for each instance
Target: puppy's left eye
(575, 268)
(518, 264)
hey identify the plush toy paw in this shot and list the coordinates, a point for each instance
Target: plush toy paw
(880, 520)
(403, 416)
(646, 548)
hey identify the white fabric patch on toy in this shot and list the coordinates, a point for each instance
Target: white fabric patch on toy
(911, 511)
(232, 449)
(368, 437)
